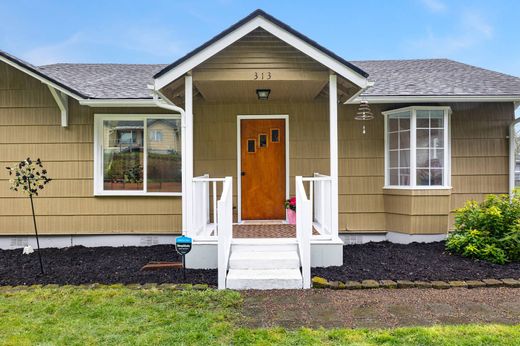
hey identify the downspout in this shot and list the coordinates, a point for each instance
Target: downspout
(164, 103)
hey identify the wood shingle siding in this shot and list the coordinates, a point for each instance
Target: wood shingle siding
(30, 126)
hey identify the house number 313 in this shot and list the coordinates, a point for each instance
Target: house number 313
(262, 76)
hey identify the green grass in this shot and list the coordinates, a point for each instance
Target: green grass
(118, 315)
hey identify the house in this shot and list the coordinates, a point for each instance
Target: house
(212, 145)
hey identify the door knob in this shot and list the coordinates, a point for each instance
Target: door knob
(243, 173)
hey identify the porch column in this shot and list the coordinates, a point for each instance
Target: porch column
(187, 206)
(333, 119)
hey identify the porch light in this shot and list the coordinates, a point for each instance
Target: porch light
(263, 94)
(364, 113)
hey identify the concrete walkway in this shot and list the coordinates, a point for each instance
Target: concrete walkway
(380, 308)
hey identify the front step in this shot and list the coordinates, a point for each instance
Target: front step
(264, 279)
(264, 260)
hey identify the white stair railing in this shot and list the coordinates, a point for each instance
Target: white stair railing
(304, 230)
(224, 230)
(205, 222)
(320, 187)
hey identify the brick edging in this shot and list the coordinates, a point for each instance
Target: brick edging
(319, 282)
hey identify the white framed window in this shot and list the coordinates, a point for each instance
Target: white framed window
(137, 154)
(417, 147)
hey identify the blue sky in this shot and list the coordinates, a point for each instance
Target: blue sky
(482, 33)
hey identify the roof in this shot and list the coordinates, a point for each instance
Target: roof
(38, 72)
(260, 13)
(435, 77)
(106, 81)
(430, 77)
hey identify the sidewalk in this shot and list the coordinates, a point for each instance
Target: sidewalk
(380, 308)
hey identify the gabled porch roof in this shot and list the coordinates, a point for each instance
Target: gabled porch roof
(260, 19)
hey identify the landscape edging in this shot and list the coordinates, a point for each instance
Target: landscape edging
(319, 282)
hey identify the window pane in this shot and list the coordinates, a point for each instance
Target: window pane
(436, 177)
(404, 158)
(423, 119)
(437, 139)
(404, 177)
(423, 177)
(437, 119)
(393, 124)
(394, 157)
(394, 177)
(393, 140)
(423, 138)
(404, 124)
(123, 155)
(164, 155)
(404, 140)
(422, 158)
(436, 158)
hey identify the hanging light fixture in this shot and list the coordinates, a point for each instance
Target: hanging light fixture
(364, 113)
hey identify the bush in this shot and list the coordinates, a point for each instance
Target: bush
(489, 230)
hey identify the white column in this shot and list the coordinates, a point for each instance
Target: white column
(187, 160)
(333, 119)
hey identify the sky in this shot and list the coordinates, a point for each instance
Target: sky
(482, 33)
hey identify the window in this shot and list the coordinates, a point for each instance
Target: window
(417, 147)
(137, 155)
(262, 140)
(251, 145)
(275, 135)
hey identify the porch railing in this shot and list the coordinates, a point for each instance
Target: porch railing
(320, 187)
(205, 206)
(224, 230)
(304, 230)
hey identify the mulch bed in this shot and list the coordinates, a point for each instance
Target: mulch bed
(105, 265)
(416, 261)
(110, 265)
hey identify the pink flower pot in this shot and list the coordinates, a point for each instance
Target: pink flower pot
(291, 217)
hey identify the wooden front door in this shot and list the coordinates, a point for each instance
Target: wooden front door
(262, 143)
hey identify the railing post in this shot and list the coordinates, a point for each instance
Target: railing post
(304, 230)
(225, 230)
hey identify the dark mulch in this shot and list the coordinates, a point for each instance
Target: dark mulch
(416, 261)
(105, 265)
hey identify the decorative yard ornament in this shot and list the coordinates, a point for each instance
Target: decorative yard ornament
(364, 113)
(29, 177)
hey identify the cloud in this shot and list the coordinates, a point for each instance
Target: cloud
(473, 29)
(125, 42)
(434, 5)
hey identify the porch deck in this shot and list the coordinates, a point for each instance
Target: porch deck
(266, 231)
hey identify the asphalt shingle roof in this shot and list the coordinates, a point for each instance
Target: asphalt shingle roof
(430, 77)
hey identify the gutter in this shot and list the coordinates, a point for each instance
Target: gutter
(425, 99)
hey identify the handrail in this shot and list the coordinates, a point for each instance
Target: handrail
(225, 230)
(320, 187)
(304, 230)
(201, 215)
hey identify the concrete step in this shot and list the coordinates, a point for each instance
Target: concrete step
(264, 279)
(264, 260)
(263, 245)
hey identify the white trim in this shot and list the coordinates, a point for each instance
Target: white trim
(512, 150)
(333, 146)
(63, 104)
(98, 154)
(275, 30)
(118, 103)
(187, 162)
(40, 78)
(413, 140)
(239, 156)
(422, 99)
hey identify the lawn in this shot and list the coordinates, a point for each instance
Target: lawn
(118, 315)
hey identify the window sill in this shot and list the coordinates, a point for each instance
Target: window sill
(417, 191)
(136, 194)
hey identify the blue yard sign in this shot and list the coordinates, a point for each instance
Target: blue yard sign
(183, 246)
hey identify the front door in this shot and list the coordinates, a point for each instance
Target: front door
(262, 143)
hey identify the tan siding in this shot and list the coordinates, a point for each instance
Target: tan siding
(30, 126)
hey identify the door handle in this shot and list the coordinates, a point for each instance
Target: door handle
(243, 173)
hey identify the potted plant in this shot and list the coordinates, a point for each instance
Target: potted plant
(290, 206)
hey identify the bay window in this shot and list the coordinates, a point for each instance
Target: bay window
(137, 155)
(417, 147)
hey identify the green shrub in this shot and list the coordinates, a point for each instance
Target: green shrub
(489, 230)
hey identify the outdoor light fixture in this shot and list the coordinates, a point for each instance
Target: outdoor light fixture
(263, 94)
